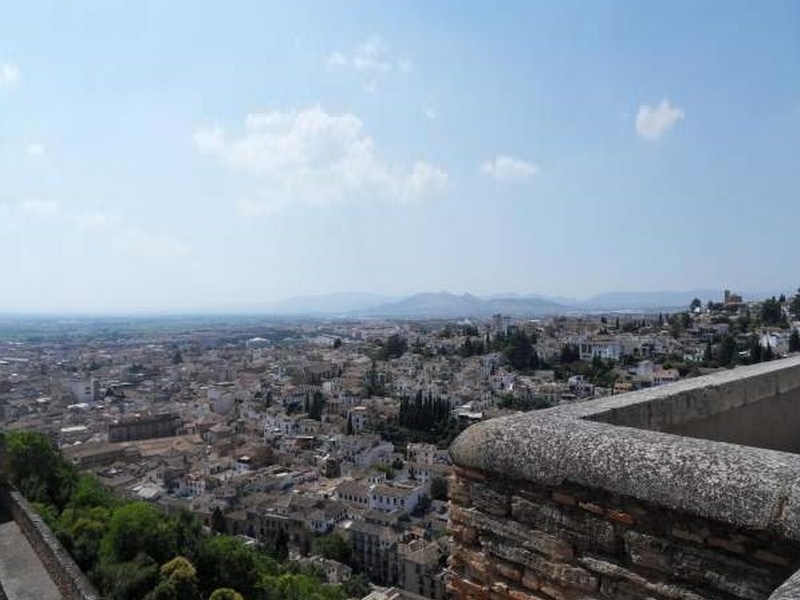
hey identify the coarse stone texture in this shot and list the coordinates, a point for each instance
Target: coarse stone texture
(605, 499)
(23, 575)
(70, 581)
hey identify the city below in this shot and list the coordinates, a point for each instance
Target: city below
(325, 440)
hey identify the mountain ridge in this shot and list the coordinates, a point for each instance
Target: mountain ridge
(445, 304)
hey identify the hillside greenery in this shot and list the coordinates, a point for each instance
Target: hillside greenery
(131, 550)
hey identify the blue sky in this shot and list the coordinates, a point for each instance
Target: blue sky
(185, 155)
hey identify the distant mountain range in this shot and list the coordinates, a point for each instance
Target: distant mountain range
(447, 305)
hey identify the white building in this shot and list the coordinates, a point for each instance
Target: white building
(388, 498)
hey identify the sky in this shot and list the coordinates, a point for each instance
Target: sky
(225, 155)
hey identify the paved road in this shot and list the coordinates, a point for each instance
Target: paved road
(22, 574)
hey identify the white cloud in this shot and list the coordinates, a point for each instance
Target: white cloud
(131, 240)
(425, 179)
(653, 121)
(96, 221)
(34, 149)
(208, 140)
(372, 55)
(9, 75)
(508, 168)
(406, 66)
(250, 207)
(314, 157)
(430, 113)
(337, 59)
(40, 209)
(149, 245)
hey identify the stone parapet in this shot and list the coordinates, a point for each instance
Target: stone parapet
(606, 500)
(67, 576)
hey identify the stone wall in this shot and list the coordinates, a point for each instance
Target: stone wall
(67, 576)
(605, 499)
(516, 541)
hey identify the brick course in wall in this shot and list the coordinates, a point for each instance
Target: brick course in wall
(522, 542)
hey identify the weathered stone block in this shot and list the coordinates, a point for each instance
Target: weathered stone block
(531, 580)
(575, 578)
(477, 566)
(467, 590)
(554, 591)
(458, 491)
(612, 570)
(771, 557)
(728, 545)
(509, 571)
(698, 537)
(648, 551)
(520, 595)
(575, 526)
(489, 500)
(475, 521)
(705, 567)
(463, 534)
(595, 509)
(563, 498)
(620, 517)
(462, 472)
(518, 555)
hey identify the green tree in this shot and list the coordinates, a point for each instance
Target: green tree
(394, 347)
(727, 351)
(38, 470)
(178, 581)
(188, 531)
(81, 532)
(138, 528)
(755, 349)
(569, 354)
(225, 594)
(88, 493)
(439, 489)
(519, 351)
(226, 562)
(695, 304)
(349, 429)
(316, 406)
(794, 341)
(771, 313)
(332, 546)
(218, 524)
(356, 586)
(177, 357)
(131, 580)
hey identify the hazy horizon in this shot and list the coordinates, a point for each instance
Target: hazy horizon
(164, 157)
(359, 306)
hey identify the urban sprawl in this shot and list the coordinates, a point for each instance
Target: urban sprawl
(290, 432)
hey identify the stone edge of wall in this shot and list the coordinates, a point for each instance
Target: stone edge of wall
(587, 445)
(789, 590)
(66, 574)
